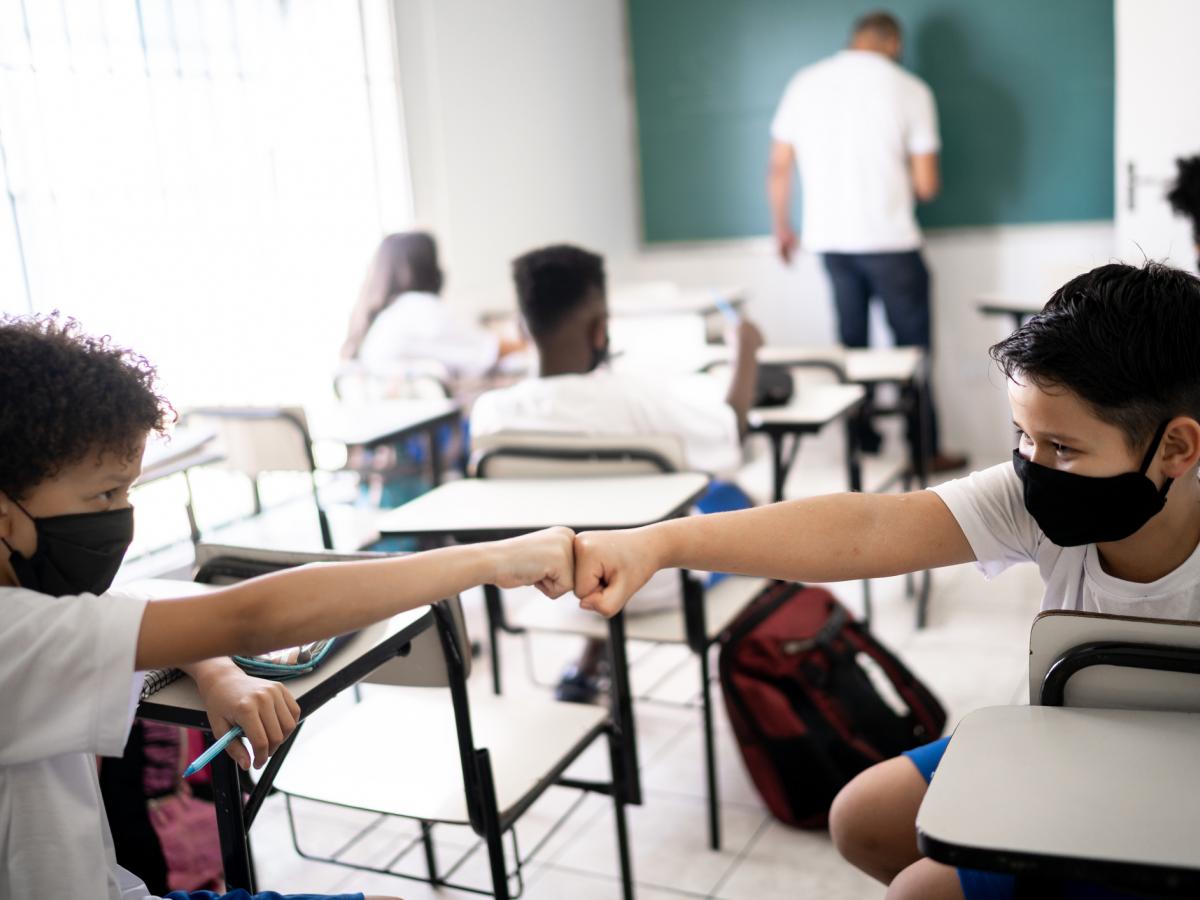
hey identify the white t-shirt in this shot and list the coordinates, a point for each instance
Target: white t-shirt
(854, 119)
(69, 691)
(420, 326)
(990, 508)
(691, 407)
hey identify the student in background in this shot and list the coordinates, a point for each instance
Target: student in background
(1184, 196)
(1101, 494)
(561, 294)
(400, 316)
(73, 427)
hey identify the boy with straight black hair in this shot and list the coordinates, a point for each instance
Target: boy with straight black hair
(74, 416)
(1101, 493)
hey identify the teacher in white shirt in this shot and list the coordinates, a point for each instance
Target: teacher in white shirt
(863, 133)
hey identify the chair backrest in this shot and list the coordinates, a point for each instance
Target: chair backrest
(424, 665)
(254, 440)
(542, 454)
(1057, 634)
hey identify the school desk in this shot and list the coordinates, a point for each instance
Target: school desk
(185, 449)
(179, 704)
(1017, 309)
(1049, 793)
(385, 422)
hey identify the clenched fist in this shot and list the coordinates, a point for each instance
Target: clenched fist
(544, 559)
(610, 566)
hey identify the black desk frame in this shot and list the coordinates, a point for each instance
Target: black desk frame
(235, 815)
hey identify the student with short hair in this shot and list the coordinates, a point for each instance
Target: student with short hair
(73, 426)
(1101, 494)
(562, 299)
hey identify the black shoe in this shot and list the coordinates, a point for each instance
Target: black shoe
(577, 687)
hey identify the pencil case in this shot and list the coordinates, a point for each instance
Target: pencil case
(282, 665)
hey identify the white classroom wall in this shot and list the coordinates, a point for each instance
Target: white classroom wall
(520, 120)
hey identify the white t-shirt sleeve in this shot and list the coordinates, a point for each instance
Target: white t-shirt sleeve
(922, 134)
(694, 409)
(785, 124)
(989, 507)
(66, 668)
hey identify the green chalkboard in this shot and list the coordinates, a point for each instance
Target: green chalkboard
(1024, 91)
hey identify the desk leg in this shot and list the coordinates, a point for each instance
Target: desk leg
(854, 477)
(231, 825)
(492, 602)
(435, 456)
(778, 467)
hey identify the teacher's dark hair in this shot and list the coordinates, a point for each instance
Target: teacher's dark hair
(552, 283)
(879, 23)
(1123, 338)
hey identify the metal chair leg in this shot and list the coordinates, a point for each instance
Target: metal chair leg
(710, 757)
(619, 790)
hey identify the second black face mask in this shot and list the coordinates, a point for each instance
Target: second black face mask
(1073, 509)
(76, 554)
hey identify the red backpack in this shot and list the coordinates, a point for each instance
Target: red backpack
(814, 699)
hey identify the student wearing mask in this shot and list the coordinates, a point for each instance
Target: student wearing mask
(1101, 494)
(73, 425)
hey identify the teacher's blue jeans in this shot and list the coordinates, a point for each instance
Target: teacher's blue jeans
(901, 282)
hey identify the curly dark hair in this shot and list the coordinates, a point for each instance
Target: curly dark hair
(1121, 337)
(66, 395)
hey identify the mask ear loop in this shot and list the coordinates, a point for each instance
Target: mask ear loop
(18, 505)
(1149, 458)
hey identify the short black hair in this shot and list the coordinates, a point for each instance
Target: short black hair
(880, 23)
(67, 395)
(1184, 195)
(553, 282)
(1124, 339)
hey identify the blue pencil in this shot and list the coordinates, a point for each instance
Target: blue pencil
(211, 753)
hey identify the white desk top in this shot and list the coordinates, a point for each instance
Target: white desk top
(182, 695)
(1099, 785)
(184, 448)
(495, 506)
(814, 406)
(375, 423)
(1006, 303)
(666, 298)
(863, 365)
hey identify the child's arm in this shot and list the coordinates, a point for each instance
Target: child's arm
(312, 602)
(265, 710)
(840, 537)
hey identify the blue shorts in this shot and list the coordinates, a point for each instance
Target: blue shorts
(980, 885)
(240, 894)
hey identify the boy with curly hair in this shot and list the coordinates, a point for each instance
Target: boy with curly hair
(74, 420)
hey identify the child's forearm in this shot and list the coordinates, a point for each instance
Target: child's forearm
(312, 602)
(304, 604)
(839, 537)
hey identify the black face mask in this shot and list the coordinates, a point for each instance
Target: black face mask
(1073, 509)
(599, 356)
(76, 554)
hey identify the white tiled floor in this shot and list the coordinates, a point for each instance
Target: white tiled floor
(972, 654)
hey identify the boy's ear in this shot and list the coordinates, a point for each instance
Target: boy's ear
(6, 516)
(1180, 446)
